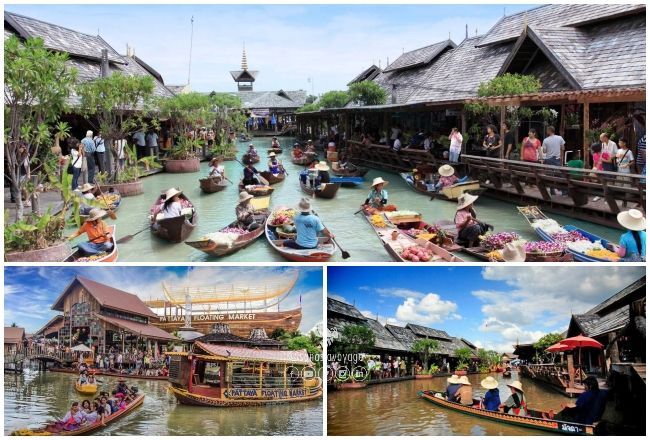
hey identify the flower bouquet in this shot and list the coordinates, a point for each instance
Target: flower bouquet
(496, 241)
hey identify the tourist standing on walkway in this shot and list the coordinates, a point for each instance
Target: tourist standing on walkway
(624, 157)
(397, 143)
(140, 143)
(508, 139)
(120, 145)
(530, 147)
(640, 155)
(395, 133)
(455, 145)
(76, 160)
(552, 147)
(89, 150)
(492, 142)
(152, 143)
(608, 152)
(100, 153)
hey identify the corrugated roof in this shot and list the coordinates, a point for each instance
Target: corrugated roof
(253, 354)
(14, 335)
(428, 332)
(136, 328)
(108, 296)
(341, 308)
(509, 27)
(419, 57)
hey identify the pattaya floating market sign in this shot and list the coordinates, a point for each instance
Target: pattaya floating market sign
(212, 317)
(265, 393)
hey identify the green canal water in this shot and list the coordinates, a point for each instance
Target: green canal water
(352, 232)
(395, 409)
(33, 398)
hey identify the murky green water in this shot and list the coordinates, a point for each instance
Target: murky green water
(395, 409)
(34, 398)
(352, 232)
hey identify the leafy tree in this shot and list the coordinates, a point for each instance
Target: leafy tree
(313, 107)
(316, 339)
(425, 348)
(334, 99)
(353, 339)
(37, 86)
(488, 358)
(278, 333)
(303, 342)
(119, 102)
(464, 355)
(367, 93)
(547, 340)
(509, 84)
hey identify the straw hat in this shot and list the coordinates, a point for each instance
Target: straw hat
(632, 220)
(377, 180)
(513, 253)
(322, 166)
(446, 170)
(244, 196)
(331, 144)
(89, 133)
(463, 380)
(95, 214)
(516, 385)
(453, 379)
(251, 145)
(464, 200)
(171, 192)
(86, 187)
(304, 205)
(489, 383)
(296, 144)
(309, 141)
(271, 154)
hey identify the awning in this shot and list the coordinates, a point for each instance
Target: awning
(81, 347)
(144, 330)
(225, 352)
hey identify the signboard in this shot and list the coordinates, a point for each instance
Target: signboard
(266, 393)
(260, 111)
(212, 317)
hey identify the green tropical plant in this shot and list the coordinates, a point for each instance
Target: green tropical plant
(548, 115)
(547, 340)
(509, 84)
(488, 358)
(149, 162)
(525, 113)
(334, 99)
(367, 93)
(185, 148)
(462, 366)
(311, 107)
(464, 355)
(425, 348)
(434, 369)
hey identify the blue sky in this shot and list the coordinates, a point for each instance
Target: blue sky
(491, 306)
(30, 291)
(287, 43)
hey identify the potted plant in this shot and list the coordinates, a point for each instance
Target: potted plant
(433, 370)
(464, 356)
(425, 348)
(182, 157)
(349, 383)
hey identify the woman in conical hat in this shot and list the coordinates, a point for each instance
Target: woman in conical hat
(452, 387)
(464, 393)
(468, 226)
(516, 403)
(491, 400)
(447, 177)
(378, 196)
(98, 233)
(631, 244)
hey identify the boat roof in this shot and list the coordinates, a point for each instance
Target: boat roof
(228, 353)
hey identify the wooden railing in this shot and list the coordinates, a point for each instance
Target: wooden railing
(383, 157)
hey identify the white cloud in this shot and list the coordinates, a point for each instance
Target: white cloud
(429, 309)
(383, 319)
(337, 297)
(400, 293)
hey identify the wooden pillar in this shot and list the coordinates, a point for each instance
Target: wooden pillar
(463, 131)
(571, 369)
(502, 131)
(613, 348)
(386, 125)
(585, 134)
(261, 377)
(562, 120)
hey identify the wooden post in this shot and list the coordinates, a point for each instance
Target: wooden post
(562, 120)
(585, 134)
(572, 372)
(261, 378)
(502, 131)
(463, 131)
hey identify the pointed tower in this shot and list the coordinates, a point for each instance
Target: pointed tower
(244, 77)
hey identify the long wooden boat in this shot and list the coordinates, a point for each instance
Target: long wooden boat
(447, 227)
(275, 150)
(396, 241)
(57, 428)
(106, 373)
(256, 190)
(507, 373)
(304, 160)
(535, 421)
(449, 193)
(215, 249)
(87, 388)
(177, 229)
(272, 178)
(109, 257)
(211, 185)
(326, 191)
(111, 200)
(221, 385)
(247, 157)
(345, 172)
(322, 253)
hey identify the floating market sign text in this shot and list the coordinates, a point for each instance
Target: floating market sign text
(265, 393)
(212, 317)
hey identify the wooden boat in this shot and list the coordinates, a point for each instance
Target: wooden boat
(449, 193)
(447, 227)
(535, 421)
(57, 428)
(322, 253)
(326, 191)
(111, 200)
(177, 229)
(396, 241)
(256, 190)
(247, 157)
(106, 373)
(214, 249)
(274, 150)
(211, 185)
(109, 257)
(272, 178)
(304, 160)
(345, 172)
(507, 373)
(235, 376)
(87, 388)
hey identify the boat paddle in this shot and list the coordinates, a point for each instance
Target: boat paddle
(344, 254)
(110, 212)
(262, 180)
(130, 237)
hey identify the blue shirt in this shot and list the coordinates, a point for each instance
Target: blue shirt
(590, 406)
(492, 400)
(307, 228)
(383, 195)
(451, 390)
(89, 145)
(628, 242)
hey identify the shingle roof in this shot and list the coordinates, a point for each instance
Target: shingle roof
(341, 308)
(108, 296)
(14, 335)
(402, 334)
(136, 328)
(367, 75)
(419, 57)
(428, 332)
(384, 340)
(510, 27)
(273, 99)
(593, 325)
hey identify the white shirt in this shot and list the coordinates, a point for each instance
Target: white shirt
(216, 171)
(394, 132)
(610, 148)
(74, 154)
(427, 144)
(397, 145)
(173, 210)
(456, 142)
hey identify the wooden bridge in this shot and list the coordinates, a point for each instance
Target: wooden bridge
(17, 358)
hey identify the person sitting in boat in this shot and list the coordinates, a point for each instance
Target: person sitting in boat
(516, 403)
(91, 378)
(275, 165)
(308, 225)
(100, 409)
(378, 196)
(172, 207)
(463, 394)
(447, 177)
(323, 175)
(631, 245)
(90, 414)
(82, 378)
(275, 143)
(491, 400)
(297, 151)
(310, 148)
(468, 226)
(86, 194)
(122, 387)
(252, 152)
(247, 217)
(249, 174)
(107, 406)
(216, 169)
(589, 407)
(452, 387)
(99, 236)
(72, 418)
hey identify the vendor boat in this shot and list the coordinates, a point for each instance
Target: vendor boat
(349, 172)
(276, 150)
(176, 229)
(302, 160)
(449, 193)
(211, 185)
(443, 233)
(256, 190)
(106, 257)
(109, 201)
(86, 388)
(247, 157)
(535, 421)
(325, 191)
(230, 376)
(58, 428)
(322, 253)
(273, 178)
(215, 249)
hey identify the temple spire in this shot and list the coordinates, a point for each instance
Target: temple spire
(244, 61)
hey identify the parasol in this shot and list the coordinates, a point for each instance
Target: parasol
(579, 342)
(559, 347)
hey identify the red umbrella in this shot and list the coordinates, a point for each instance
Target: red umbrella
(556, 348)
(581, 341)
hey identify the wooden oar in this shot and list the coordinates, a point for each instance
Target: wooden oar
(344, 254)
(110, 212)
(130, 237)
(262, 180)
